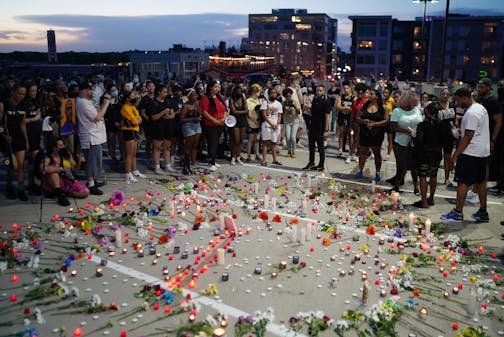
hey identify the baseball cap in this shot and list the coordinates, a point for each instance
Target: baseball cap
(85, 85)
(486, 81)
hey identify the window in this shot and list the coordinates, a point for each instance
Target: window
(397, 45)
(417, 45)
(417, 31)
(397, 59)
(302, 26)
(490, 27)
(365, 59)
(367, 29)
(366, 45)
(382, 44)
(384, 29)
(382, 59)
(487, 60)
(283, 36)
(466, 59)
(296, 19)
(256, 19)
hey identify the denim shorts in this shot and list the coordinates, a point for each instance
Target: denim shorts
(191, 129)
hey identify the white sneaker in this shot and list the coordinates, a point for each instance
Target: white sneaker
(131, 178)
(128, 180)
(169, 168)
(348, 159)
(355, 159)
(472, 198)
(233, 161)
(212, 168)
(372, 155)
(217, 165)
(387, 158)
(299, 146)
(139, 174)
(238, 160)
(158, 170)
(339, 153)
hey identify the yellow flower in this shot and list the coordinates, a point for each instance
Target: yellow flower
(280, 190)
(473, 279)
(330, 230)
(371, 215)
(332, 182)
(170, 187)
(250, 177)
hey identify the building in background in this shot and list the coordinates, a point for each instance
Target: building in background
(300, 42)
(52, 55)
(474, 47)
(180, 62)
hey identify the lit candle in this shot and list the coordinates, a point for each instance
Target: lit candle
(124, 251)
(394, 198)
(258, 271)
(220, 256)
(342, 273)
(99, 272)
(446, 294)
(283, 265)
(383, 293)
(455, 290)
(111, 254)
(427, 226)
(279, 232)
(219, 332)
(423, 313)
(274, 275)
(184, 255)
(195, 250)
(140, 253)
(74, 273)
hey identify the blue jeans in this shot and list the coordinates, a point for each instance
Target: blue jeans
(290, 135)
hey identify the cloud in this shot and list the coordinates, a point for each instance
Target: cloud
(157, 32)
(13, 35)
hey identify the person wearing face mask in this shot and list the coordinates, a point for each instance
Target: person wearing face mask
(113, 126)
(130, 125)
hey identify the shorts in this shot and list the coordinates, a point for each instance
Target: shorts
(129, 135)
(470, 170)
(162, 130)
(253, 130)
(428, 169)
(343, 119)
(267, 133)
(405, 157)
(18, 144)
(191, 129)
(241, 121)
(448, 143)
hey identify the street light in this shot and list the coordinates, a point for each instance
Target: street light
(423, 24)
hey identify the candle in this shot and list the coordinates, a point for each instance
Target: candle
(73, 273)
(154, 262)
(355, 237)
(295, 259)
(152, 251)
(383, 293)
(411, 222)
(427, 226)
(365, 292)
(305, 204)
(279, 232)
(274, 275)
(195, 250)
(342, 273)
(225, 277)
(373, 186)
(118, 238)
(176, 250)
(140, 253)
(446, 294)
(219, 332)
(258, 271)
(192, 316)
(220, 256)
(364, 276)
(423, 313)
(256, 187)
(172, 208)
(394, 197)
(99, 272)
(184, 255)
(381, 241)
(308, 232)
(124, 251)
(283, 265)
(293, 235)
(104, 262)
(111, 254)
(273, 204)
(455, 290)
(266, 201)
(383, 265)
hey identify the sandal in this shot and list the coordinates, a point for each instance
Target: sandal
(264, 163)
(430, 201)
(276, 162)
(419, 204)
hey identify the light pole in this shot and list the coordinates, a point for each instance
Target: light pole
(424, 50)
(443, 46)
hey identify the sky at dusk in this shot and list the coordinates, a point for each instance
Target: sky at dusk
(111, 25)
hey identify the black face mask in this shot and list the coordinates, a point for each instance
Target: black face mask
(134, 101)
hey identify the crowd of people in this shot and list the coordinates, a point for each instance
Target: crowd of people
(51, 130)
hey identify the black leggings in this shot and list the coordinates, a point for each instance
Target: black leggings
(212, 134)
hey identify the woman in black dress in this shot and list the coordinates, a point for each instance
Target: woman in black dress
(238, 108)
(372, 120)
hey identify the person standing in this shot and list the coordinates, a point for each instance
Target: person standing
(15, 137)
(190, 117)
(92, 133)
(130, 126)
(214, 112)
(291, 118)
(253, 130)
(271, 110)
(239, 109)
(373, 120)
(333, 94)
(319, 128)
(447, 119)
(344, 106)
(471, 156)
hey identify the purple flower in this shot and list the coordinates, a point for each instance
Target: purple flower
(362, 213)
(293, 320)
(398, 233)
(117, 197)
(104, 242)
(172, 231)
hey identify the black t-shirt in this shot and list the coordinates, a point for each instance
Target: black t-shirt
(493, 108)
(347, 101)
(12, 118)
(156, 107)
(144, 104)
(320, 108)
(332, 91)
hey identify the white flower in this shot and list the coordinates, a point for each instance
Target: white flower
(342, 324)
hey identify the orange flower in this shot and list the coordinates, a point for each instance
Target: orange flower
(263, 216)
(199, 219)
(277, 218)
(326, 242)
(213, 218)
(294, 221)
(416, 293)
(371, 230)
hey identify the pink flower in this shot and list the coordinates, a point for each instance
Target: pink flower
(117, 197)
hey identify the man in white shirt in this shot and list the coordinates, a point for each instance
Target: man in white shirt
(92, 132)
(471, 156)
